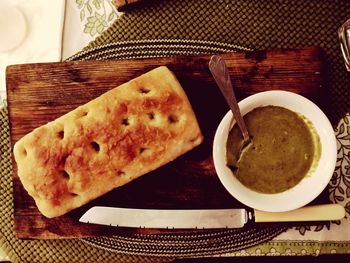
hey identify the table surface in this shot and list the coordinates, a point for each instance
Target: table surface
(80, 29)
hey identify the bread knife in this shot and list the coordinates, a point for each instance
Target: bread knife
(205, 218)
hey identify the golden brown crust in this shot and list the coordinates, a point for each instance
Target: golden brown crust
(111, 140)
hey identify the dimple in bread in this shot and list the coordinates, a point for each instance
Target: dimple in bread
(111, 140)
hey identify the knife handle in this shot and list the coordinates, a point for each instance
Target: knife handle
(123, 5)
(326, 212)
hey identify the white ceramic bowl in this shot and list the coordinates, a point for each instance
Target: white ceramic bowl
(310, 186)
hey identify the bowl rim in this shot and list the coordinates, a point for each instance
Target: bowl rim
(310, 186)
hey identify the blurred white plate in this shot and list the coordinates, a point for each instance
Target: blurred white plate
(13, 26)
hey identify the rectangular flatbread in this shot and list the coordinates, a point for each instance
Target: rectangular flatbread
(111, 140)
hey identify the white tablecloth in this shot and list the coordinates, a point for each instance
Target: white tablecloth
(85, 20)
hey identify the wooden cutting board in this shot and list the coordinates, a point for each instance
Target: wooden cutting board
(38, 93)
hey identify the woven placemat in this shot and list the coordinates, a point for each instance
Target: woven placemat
(132, 247)
(257, 24)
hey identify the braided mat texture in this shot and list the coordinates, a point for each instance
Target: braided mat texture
(257, 24)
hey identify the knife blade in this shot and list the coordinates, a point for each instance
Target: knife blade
(205, 218)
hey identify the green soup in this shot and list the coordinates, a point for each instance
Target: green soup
(284, 149)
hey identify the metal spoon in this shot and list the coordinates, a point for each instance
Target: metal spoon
(221, 75)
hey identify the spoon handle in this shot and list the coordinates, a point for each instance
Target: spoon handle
(221, 75)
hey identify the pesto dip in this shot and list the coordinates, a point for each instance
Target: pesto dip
(284, 149)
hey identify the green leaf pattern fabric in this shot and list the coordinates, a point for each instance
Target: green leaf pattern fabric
(96, 15)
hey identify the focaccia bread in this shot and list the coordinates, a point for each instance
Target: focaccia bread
(107, 142)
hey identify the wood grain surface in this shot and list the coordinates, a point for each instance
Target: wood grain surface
(38, 93)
